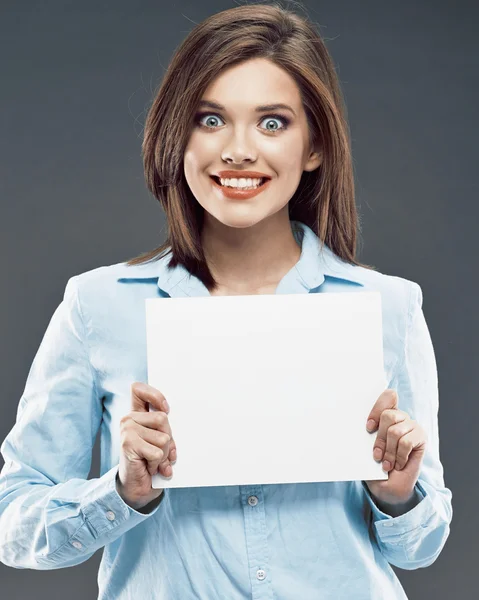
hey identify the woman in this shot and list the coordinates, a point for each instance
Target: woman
(250, 100)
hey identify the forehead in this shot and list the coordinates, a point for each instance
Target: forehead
(256, 81)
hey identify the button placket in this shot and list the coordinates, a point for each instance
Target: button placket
(252, 500)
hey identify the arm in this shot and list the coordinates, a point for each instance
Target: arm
(51, 516)
(412, 536)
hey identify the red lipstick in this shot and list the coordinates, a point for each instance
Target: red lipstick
(238, 193)
(248, 174)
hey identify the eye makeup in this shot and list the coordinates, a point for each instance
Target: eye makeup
(285, 120)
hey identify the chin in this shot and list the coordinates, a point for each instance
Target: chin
(238, 219)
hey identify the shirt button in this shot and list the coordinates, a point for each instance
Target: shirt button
(252, 501)
(110, 515)
(388, 524)
(260, 574)
(77, 544)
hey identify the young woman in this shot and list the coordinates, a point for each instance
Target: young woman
(247, 149)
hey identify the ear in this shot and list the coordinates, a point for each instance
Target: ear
(314, 160)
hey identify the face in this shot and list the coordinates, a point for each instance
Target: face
(238, 138)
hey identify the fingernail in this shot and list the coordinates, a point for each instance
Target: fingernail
(371, 424)
(166, 405)
(378, 453)
(168, 471)
(386, 465)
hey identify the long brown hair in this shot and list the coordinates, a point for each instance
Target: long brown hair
(325, 197)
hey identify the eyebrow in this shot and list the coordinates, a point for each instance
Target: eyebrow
(258, 109)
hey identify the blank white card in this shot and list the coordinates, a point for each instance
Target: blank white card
(268, 388)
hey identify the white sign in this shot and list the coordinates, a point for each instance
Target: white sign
(270, 388)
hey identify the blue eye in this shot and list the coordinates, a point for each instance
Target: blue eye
(199, 116)
(284, 120)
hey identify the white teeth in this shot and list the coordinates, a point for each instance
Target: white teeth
(242, 182)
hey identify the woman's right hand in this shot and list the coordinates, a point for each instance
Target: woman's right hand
(147, 446)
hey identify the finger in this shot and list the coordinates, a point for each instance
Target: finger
(407, 444)
(159, 439)
(156, 458)
(153, 455)
(142, 395)
(389, 417)
(388, 399)
(162, 466)
(155, 437)
(156, 420)
(172, 454)
(165, 469)
(394, 435)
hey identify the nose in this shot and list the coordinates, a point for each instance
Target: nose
(238, 150)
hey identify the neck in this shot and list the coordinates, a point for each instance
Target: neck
(249, 258)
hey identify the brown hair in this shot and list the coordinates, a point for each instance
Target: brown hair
(325, 197)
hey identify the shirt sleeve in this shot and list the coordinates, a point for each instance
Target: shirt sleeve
(51, 516)
(415, 539)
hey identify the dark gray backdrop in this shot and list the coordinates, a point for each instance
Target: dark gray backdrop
(77, 79)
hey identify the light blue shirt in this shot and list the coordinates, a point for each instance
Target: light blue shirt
(325, 541)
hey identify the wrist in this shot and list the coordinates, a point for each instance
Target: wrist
(148, 508)
(140, 504)
(396, 507)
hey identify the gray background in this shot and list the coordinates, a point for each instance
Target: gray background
(77, 80)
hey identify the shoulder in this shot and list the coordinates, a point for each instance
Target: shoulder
(401, 301)
(98, 279)
(105, 277)
(400, 297)
(106, 287)
(396, 290)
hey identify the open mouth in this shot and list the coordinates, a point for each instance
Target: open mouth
(218, 181)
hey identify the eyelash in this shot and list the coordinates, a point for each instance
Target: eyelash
(282, 118)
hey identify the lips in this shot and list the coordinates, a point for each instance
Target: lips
(231, 174)
(239, 193)
(218, 180)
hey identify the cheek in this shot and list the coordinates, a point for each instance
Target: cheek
(191, 155)
(198, 157)
(289, 173)
(285, 154)
(191, 164)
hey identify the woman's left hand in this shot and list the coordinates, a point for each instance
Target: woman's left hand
(400, 444)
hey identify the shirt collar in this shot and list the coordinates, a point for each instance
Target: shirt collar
(309, 272)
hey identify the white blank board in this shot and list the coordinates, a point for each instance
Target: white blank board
(268, 388)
